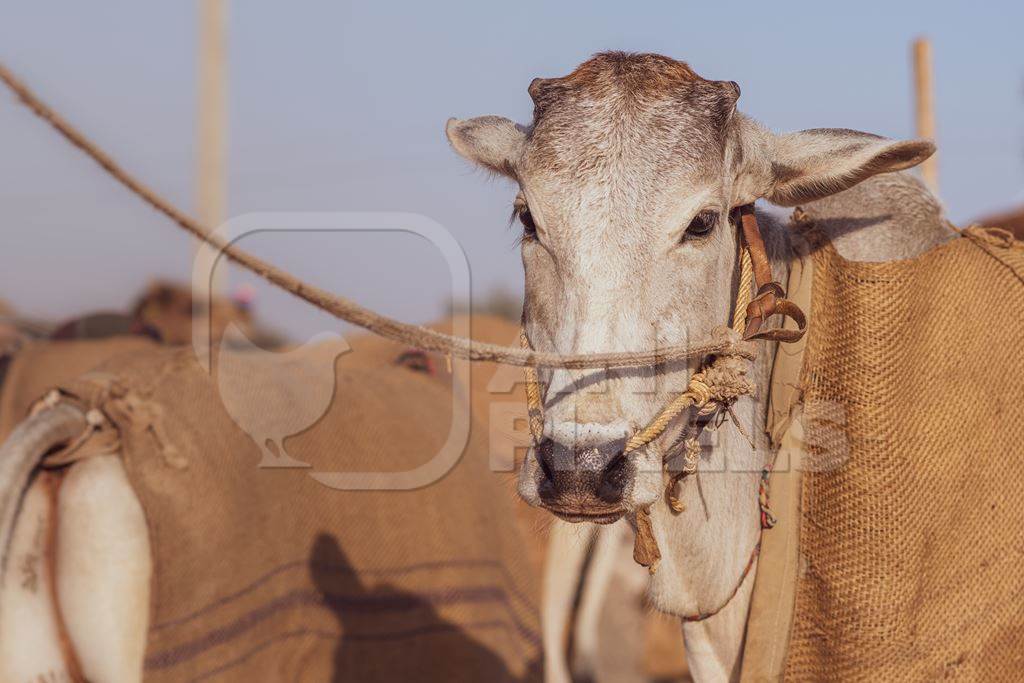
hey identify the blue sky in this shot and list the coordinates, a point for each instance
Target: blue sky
(341, 106)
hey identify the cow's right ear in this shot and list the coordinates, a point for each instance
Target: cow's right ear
(489, 141)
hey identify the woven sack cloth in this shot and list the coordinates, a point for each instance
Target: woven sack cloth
(266, 573)
(40, 365)
(911, 516)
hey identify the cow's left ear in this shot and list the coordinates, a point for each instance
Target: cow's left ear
(800, 167)
(812, 164)
(489, 141)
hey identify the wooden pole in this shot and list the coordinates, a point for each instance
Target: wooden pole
(211, 128)
(924, 100)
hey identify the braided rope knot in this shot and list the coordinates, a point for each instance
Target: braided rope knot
(726, 375)
(727, 379)
(699, 390)
(691, 460)
(715, 386)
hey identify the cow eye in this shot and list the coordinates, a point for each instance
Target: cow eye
(702, 224)
(526, 218)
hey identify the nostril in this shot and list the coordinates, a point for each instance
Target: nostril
(613, 479)
(616, 468)
(545, 457)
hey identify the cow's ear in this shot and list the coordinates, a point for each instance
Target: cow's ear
(489, 141)
(812, 164)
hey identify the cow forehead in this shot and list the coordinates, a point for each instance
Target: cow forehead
(641, 118)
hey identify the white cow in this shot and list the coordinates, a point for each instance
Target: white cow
(628, 179)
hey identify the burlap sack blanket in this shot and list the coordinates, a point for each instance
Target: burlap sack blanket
(498, 410)
(497, 401)
(266, 574)
(40, 365)
(910, 513)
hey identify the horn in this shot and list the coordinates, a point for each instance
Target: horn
(536, 89)
(730, 89)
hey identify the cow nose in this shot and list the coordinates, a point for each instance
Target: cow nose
(582, 475)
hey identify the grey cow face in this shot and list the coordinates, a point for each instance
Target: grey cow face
(628, 176)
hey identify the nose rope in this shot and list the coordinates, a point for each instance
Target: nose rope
(534, 405)
(744, 293)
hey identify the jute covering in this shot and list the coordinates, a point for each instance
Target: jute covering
(499, 415)
(266, 574)
(497, 403)
(39, 365)
(912, 529)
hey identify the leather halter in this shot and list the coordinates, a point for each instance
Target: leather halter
(769, 298)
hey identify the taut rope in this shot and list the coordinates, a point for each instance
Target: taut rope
(713, 388)
(415, 336)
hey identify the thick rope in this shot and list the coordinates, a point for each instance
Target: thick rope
(534, 405)
(717, 385)
(415, 336)
(691, 461)
(745, 293)
(704, 392)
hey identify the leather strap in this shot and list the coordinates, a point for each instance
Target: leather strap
(770, 298)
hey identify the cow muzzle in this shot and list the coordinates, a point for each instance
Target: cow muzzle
(583, 483)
